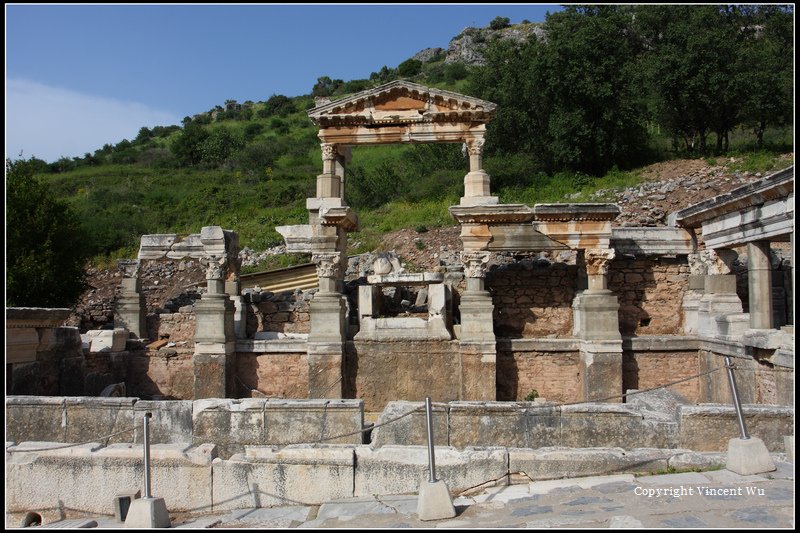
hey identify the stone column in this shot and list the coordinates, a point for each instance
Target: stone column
(328, 183)
(131, 308)
(476, 182)
(215, 338)
(327, 335)
(478, 346)
(233, 288)
(759, 279)
(720, 310)
(596, 313)
(691, 299)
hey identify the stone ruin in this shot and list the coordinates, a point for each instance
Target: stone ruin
(632, 307)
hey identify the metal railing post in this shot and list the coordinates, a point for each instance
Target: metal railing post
(146, 421)
(431, 457)
(736, 403)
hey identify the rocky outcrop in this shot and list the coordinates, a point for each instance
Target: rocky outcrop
(470, 45)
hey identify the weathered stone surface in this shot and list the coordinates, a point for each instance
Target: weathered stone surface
(35, 418)
(171, 422)
(413, 429)
(296, 475)
(399, 470)
(709, 427)
(88, 419)
(587, 425)
(87, 481)
(233, 424)
(519, 425)
(555, 462)
(107, 340)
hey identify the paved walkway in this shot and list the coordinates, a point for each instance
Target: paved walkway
(715, 499)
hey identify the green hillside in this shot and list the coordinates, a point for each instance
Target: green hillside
(579, 111)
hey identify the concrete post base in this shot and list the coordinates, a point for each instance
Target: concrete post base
(434, 501)
(748, 456)
(147, 513)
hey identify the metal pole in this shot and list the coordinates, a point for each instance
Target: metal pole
(147, 417)
(736, 403)
(431, 458)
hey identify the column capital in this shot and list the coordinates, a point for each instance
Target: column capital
(696, 265)
(475, 263)
(328, 264)
(475, 146)
(597, 260)
(129, 268)
(329, 151)
(215, 266)
(718, 262)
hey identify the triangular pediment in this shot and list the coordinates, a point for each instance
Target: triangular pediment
(401, 102)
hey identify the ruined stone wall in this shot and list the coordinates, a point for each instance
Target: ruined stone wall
(532, 298)
(379, 372)
(645, 370)
(176, 327)
(272, 375)
(283, 312)
(756, 381)
(555, 376)
(161, 374)
(650, 293)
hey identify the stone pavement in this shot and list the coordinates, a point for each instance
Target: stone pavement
(713, 499)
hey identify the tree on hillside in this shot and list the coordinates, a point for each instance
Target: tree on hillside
(573, 101)
(45, 245)
(188, 146)
(498, 23)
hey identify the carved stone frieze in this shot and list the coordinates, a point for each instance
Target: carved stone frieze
(718, 262)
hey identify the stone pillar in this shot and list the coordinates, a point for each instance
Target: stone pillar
(328, 183)
(131, 308)
(233, 288)
(327, 335)
(596, 313)
(691, 299)
(215, 338)
(720, 310)
(759, 280)
(478, 346)
(476, 182)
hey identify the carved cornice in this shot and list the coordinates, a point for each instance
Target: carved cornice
(492, 214)
(575, 212)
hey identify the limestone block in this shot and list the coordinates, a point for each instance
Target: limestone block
(305, 421)
(732, 326)
(88, 418)
(107, 340)
(587, 425)
(21, 345)
(156, 246)
(555, 462)
(513, 424)
(35, 418)
(228, 423)
(84, 481)
(171, 422)
(401, 469)
(709, 427)
(413, 429)
(264, 477)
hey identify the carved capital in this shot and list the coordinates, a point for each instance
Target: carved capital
(475, 263)
(328, 151)
(129, 267)
(215, 266)
(328, 264)
(475, 147)
(597, 260)
(718, 262)
(696, 265)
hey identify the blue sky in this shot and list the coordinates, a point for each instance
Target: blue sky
(80, 76)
